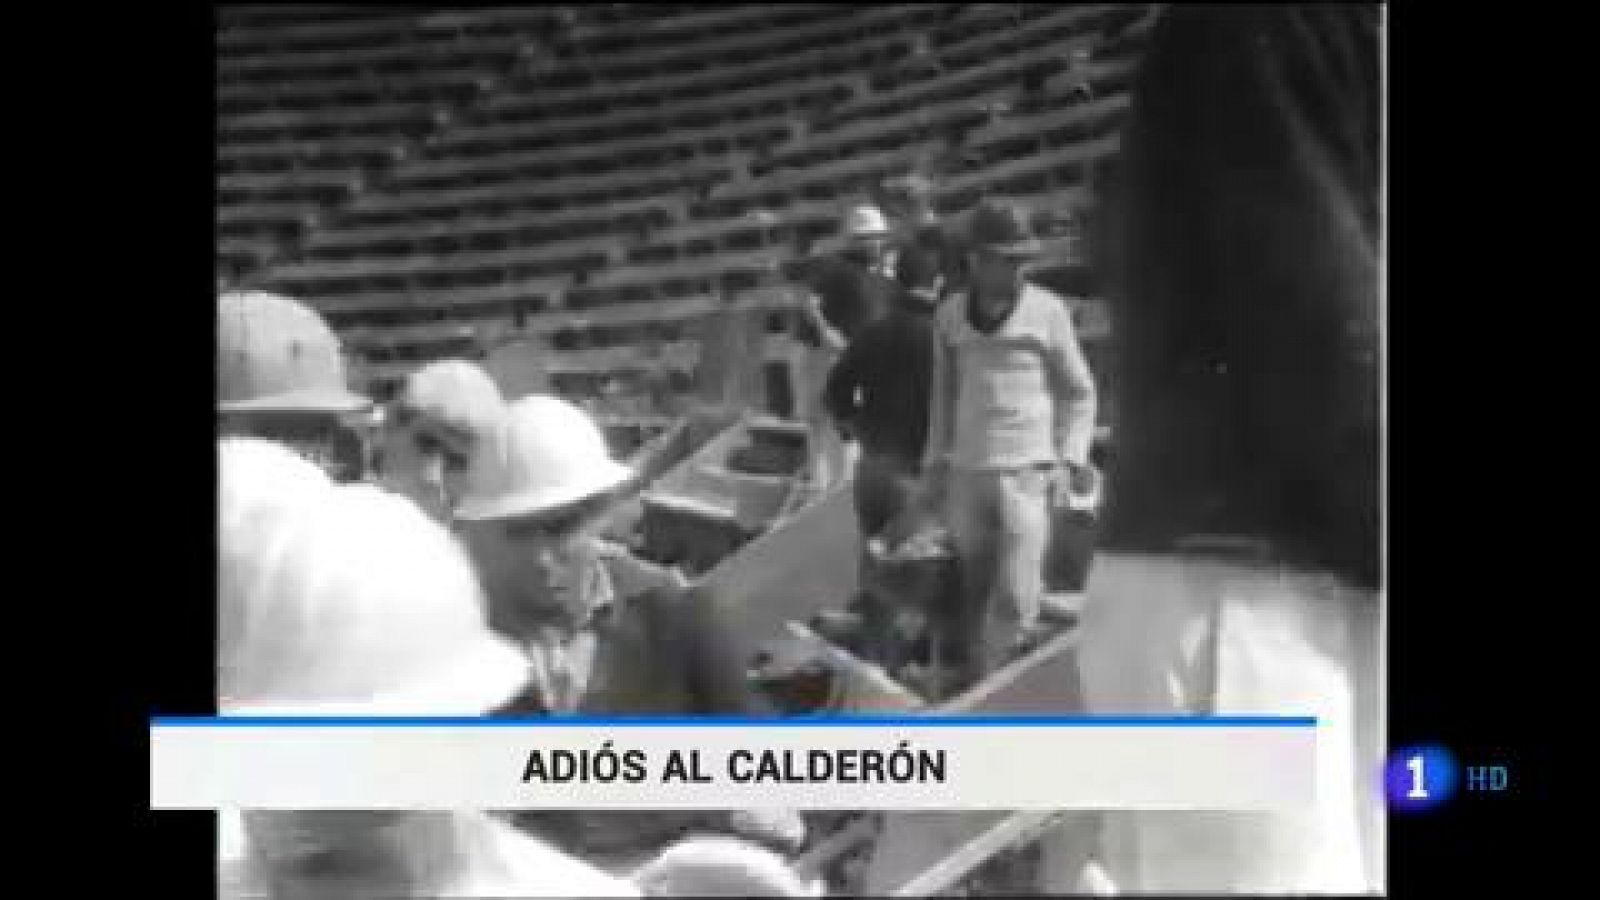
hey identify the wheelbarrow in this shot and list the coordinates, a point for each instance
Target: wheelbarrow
(915, 588)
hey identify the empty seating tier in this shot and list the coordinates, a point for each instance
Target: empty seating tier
(607, 180)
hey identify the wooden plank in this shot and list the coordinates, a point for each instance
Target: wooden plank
(1044, 681)
(714, 449)
(807, 564)
(1014, 829)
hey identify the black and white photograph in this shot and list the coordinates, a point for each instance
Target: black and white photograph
(802, 360)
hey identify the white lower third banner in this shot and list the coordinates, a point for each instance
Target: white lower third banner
(1261, 763)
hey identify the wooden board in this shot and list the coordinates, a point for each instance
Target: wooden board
(1013, 829)
(914, 844)
(807, 564)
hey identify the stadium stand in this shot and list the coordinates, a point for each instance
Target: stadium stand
(606, 180)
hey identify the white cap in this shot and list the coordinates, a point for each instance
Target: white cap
(546, 454)
(345, 599)
(866, 221)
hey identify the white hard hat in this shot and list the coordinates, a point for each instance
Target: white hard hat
(345, 599)
(257, 473)
(866, 221)
(275, 353)
(722, 867)
(454, 392)
(546, 454)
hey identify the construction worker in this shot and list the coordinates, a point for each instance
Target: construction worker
(604, 632)
(1011, 419)
(860, 288)
(878, 393)
(281, 376)
(923, 243)
(432, 430)
(1239, 563)
(347, 600)
(848, 292)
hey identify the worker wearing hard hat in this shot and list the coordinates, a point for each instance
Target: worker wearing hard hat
(347, 600)
(847, 293)
(431, 432)
(281, 376)
(604, 632)
(858, 288)
(924, 242)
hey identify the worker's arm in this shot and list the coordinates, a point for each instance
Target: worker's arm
(1072, 389)
(817, 314)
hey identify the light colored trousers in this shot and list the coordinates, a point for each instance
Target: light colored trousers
(1171, 635)
(1000, 523)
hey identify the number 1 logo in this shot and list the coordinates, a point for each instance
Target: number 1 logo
(1419, 781)
(1419, 778)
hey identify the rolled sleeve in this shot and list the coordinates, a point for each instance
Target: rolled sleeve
(1075, 397)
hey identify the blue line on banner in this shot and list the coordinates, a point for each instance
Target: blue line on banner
(734, 722)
